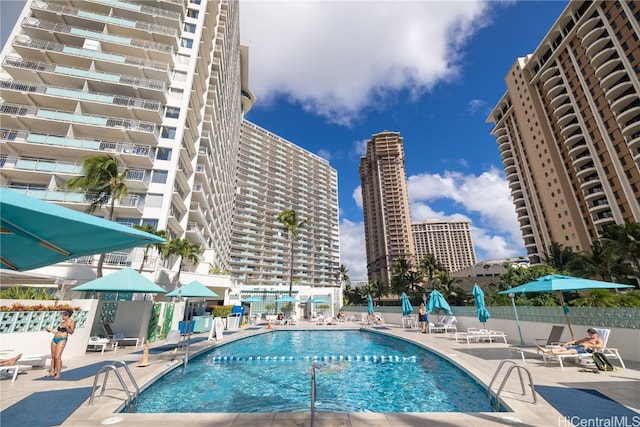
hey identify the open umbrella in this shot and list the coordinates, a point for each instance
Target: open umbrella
(34, 233)
(406, 305)
(193, 289)
(369, 305)
(125, 280)
(483, 314)
(437, 303)
(559, 283)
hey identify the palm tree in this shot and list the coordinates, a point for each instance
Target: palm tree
(290, 225)
(559, 257)
(103, 179)
(183, 248)
(605, 262)
(343, 277)
(627, 237)
(148, 228)
(398, 283)
(429, 265)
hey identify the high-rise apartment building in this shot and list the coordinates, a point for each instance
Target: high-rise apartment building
(568, 127)
(449, 241)
(387, 220)
(275, 175)
(161, 85)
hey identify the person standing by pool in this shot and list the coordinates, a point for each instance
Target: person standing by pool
(422, 318)
(60, 337)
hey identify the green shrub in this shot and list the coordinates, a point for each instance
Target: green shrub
(221, 310)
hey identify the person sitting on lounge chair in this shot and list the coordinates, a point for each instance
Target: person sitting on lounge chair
(585, 345)
(10, 361)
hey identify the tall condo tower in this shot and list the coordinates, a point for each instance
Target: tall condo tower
(568, 127)
(160, 85)
(387, 220)
(449, 241)
(275, 175)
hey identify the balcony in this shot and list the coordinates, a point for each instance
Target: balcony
(597, 45)
(61, 98)
(604, 57)
(613, 78)
(123, 26)
(55, 32)
(588, 26)
(76, 56)
(55, 121)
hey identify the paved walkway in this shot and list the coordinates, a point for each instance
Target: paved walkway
(478, 359)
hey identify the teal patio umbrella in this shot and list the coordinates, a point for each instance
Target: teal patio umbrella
(286, 299)
(406, 305)
(483, 314)
(35, 233)
(370, 305)
(193, 289)
(437, 303)
(125, 280)
(558, 283)
(252, 299)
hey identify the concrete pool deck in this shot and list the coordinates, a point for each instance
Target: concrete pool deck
(479, 359)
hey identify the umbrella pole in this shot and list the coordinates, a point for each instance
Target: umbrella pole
(566, 313)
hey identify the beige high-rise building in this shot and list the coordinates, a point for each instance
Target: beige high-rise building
(387, 220)
(568, 127)
(449, 241)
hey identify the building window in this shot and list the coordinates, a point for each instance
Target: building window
(168, 132)
(171, 112)
(159, 177)
(164, 153)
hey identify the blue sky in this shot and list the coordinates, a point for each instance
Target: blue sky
(329, 74)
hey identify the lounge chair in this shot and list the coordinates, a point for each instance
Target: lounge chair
(120, 338)
(445, 324)
(553, 340)
(35, 360)
(475, 334)
(610, 353)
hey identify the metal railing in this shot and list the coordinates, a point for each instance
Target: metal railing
(132, 397)
(494, 401)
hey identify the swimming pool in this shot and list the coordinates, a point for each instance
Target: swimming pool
(357, 371)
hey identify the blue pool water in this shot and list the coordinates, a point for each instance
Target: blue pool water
(357, 371)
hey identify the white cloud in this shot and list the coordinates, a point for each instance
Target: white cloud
(475, 105)
(485, 199)
(337, 58)
(357, 196)
(325, 154)
(352, 249)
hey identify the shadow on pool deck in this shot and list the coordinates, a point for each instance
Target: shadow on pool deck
(31, 402)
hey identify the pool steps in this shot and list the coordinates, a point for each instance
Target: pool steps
(323, 358)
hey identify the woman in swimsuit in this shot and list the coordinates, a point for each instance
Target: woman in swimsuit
(60, 337)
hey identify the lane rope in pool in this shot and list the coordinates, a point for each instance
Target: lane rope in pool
(323, 358)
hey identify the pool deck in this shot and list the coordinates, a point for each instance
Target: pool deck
(480, 359)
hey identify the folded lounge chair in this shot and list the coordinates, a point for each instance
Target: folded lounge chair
(610, 353)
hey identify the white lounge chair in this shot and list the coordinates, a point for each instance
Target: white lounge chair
(119, 337)
(35, 360)
(445, 324)
(552, 341)
(610, 353)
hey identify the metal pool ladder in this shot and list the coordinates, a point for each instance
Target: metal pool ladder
(494, 400)
(132, 397)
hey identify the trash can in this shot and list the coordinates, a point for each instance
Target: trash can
(186, 327)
